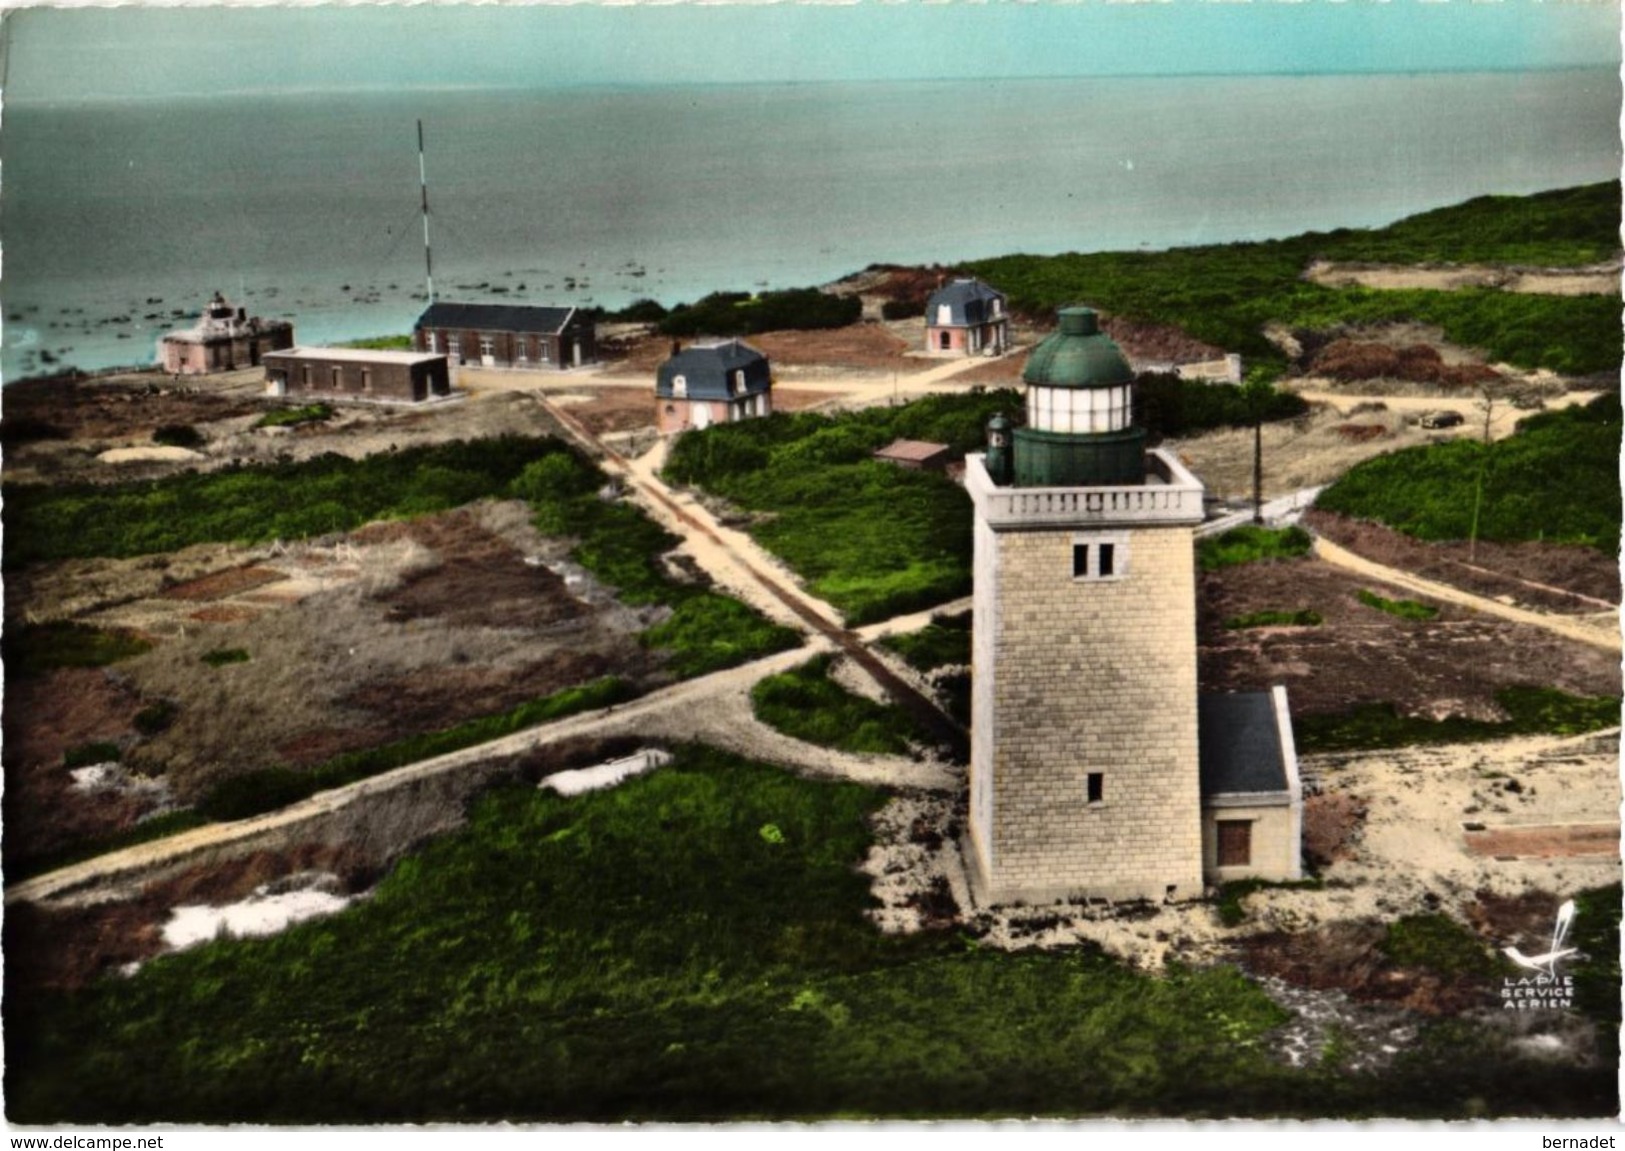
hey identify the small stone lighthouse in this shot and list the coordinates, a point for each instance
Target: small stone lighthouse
(1085, 768)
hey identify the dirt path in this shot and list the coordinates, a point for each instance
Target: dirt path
(1600, 630)
(734, 560)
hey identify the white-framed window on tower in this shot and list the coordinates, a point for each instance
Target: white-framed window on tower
(1099, 556)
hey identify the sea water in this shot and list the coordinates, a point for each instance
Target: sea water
(119, 219)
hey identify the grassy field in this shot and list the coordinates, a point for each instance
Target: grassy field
(1557, 479)
(872, 539)
(1226, 294)
(692, 946)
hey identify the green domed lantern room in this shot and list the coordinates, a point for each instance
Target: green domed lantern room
(1080, 411)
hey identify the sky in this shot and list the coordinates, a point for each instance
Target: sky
(133, 52)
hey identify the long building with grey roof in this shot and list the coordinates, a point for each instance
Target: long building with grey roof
(507, 335)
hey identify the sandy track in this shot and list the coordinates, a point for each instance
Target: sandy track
(1600, 630)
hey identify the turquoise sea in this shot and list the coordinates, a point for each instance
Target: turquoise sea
(115, 216)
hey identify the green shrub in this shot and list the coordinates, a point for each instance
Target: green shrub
(1400, 608)
(1556, 479)
(289, 417)
(1248, 544)
(1548, 711)
(155, 717)
(222, 656)
(639, 312)
(807, 704)
(709, 632)
(257, 504)
(178, 436)
(1596, 972)
(944, 642)
(268, 789)
(255, 792)
(87, 754)
(146, 831)
(902, 309)
(1530, 711)
(1438, 944)
(1168, 406)
(1301, 618)
(398, 343)
(742, 314)
(35, 648)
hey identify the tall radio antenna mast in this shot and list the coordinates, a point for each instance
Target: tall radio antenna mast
(423, 183)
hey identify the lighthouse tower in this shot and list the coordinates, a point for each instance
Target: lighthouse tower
(1084, 761)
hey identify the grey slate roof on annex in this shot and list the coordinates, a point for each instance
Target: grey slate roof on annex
(967, 301)
(705, 369)
(494, 317)
(1240, 744)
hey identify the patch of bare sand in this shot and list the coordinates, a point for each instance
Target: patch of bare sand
(153, 454)
(1301, 453)
(1599, 279)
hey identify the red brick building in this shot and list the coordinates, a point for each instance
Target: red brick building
(356, 374)
(507, 335)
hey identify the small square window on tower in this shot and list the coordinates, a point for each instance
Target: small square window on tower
(1097, 787)
(1099, 556)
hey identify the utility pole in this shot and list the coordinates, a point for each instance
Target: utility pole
(423, 184)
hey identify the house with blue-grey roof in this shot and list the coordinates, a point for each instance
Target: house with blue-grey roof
(507, 335)
(716, 382)
(966, 318)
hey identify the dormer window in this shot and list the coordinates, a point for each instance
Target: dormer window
(679, 387)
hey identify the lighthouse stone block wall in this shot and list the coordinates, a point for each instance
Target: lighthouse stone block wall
(1079, 677)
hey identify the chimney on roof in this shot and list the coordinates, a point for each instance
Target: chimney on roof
(676, 346)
